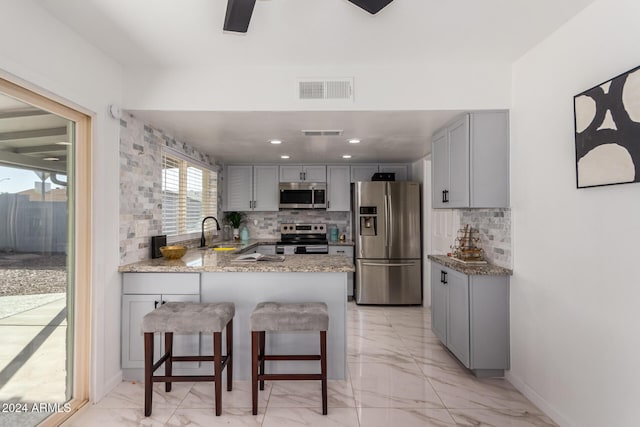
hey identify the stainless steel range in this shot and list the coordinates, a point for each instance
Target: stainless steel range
(303, 239)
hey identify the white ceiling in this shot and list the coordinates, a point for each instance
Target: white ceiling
(244, 136)
(188, 33)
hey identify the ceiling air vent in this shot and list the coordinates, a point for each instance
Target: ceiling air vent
(336, 88)
(322, 132)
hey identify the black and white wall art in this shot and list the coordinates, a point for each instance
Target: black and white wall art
(607, 125)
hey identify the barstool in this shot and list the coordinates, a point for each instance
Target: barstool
(287, 317)
(187, 318)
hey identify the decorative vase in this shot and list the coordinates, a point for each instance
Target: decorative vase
(236, 234)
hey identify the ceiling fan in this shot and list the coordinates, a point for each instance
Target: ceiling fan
(239, 12)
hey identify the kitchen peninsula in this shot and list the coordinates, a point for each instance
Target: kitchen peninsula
(212, 276)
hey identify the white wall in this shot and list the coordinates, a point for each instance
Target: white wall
(421, 172)
(437, 86)
(575, 291)
(39, 52)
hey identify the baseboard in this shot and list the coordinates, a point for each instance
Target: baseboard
(538, 400)
(108, 386)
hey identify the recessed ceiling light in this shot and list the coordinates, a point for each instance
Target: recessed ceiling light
(63, 143)
(346, 156)
(285, 157)
(354, 141)
(51, 159)
(275, 141)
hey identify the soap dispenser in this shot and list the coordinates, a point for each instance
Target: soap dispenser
(244, 234)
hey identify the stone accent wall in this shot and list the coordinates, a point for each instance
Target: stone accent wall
(269, 222)
(495, 233)
(141, 184)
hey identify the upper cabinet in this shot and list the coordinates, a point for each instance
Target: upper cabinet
(338, 188)
(252, 188)
(401, 171)
(471, 162)
(364, 172)
(255, 187)
(303, 173)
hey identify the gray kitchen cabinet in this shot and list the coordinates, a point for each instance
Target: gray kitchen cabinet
(470, 316)
(303, 173)
(401, 171)
(142, 293)
(471, 162)
(348, 252)
(363, 172)
(252, 188)
(338, 188)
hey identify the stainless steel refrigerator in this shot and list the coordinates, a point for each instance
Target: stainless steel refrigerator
(386, 216)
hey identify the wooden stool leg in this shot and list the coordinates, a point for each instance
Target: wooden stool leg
(255, 338)
(323, 369)
(229, 355)
(148, 373)
(263, 339)
(217, 370)
(168, 364)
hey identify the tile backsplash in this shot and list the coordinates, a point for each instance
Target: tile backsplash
(494, 226)
(268, 223)
(141, 184)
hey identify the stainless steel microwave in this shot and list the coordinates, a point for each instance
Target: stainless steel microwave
(303, 195)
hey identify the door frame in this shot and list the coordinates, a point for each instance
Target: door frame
(82, 202)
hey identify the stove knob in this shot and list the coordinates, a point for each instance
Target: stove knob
(315, 227)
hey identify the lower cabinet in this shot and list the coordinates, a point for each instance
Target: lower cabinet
(348, 252)
(470, 315)
(142, 293)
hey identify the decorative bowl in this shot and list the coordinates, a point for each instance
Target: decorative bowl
(173, 251)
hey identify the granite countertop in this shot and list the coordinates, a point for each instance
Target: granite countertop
(208, 260)
(471, 269)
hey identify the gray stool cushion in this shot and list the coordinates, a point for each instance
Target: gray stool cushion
(189, 317)
(290, 316)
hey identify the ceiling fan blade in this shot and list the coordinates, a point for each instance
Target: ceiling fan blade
(371, 6)
(238, 15)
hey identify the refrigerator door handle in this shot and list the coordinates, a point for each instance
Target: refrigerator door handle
(381, 264)
(387, 223)
(390, 221)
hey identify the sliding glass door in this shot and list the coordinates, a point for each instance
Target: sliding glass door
(42, 346)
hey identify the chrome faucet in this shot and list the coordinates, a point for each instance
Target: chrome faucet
(203, 240)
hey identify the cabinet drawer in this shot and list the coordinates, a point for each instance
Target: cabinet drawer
(341, 250)
(161, 283)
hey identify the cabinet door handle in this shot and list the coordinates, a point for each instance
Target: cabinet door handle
(255, 203)
(301, 179)
(155, 304)
(328, 204)
(443, 277)
(445, 196)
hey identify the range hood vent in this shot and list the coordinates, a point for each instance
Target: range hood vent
(320, 89)
(322, 132)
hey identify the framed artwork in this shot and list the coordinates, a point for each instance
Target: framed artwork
(607, 132)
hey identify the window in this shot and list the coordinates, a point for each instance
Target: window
(188, 194)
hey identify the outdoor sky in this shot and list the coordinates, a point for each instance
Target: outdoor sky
(19, 180)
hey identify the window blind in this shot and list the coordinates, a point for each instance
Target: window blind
(188, 195)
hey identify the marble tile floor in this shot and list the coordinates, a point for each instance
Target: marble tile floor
(398, 375)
